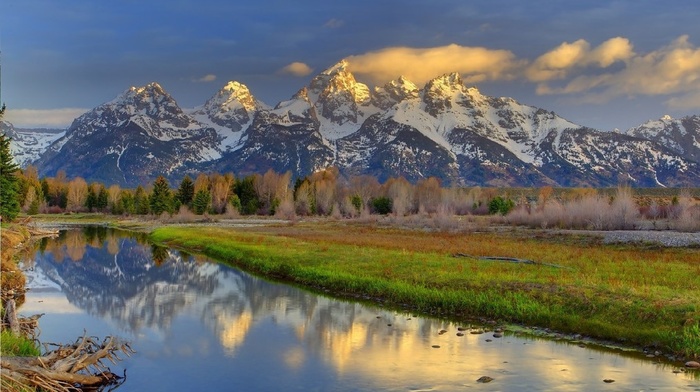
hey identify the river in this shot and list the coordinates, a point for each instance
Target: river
(200, 325)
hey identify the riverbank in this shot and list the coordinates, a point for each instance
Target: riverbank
(637, 294)
(636, 288)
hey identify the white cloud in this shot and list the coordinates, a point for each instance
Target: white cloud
(206, 78)
(43, 118)
(296, 69)
(672, 70)
(476, 64)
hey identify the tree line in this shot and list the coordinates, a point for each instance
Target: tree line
(327, 193)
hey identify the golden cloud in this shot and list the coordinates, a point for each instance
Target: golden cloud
(560, 61)
(476, 64)
(206, 78)
(296, 69)
(673, 69)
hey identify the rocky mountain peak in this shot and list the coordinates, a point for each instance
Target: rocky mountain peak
(234, 96)
(151, 100)
(441, 93)
(394, 91)
(302, 94)
(446, 84)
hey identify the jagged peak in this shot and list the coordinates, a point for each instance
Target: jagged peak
(232, 93)
(401, 83)
(449, 79)
(237, 87)
(302, 94)
(446, 83)
(152, 88)
(340, 66)
(396, 91)
(337, 77)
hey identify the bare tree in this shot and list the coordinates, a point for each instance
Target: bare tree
(77, 194)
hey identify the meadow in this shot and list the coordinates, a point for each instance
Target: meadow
(636, 294)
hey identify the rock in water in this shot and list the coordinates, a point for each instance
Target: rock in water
(693, 364)
(485, 379)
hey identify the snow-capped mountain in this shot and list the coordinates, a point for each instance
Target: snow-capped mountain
(131, 140)
(680, 135)
(444, 129)
(26, 145)
(230, 112)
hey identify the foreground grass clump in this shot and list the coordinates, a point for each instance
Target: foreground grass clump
(17, 346)
(640, 295)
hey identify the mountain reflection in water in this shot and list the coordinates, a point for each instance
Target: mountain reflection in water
(197, 324)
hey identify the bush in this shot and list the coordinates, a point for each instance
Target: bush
(500, 205)
(381, 205)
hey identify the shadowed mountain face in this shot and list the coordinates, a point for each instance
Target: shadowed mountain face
(444, 129)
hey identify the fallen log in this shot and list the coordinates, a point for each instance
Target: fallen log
(69, 367)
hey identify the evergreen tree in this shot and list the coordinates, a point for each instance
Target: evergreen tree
(126, 204)
(102, 199)
(45, 189)
(9, 192)
(161, 198)
(141, 204)
(185, 193)
(37, 201)
(91, 200)
(245, 189)
(201, 202)
(235, 202)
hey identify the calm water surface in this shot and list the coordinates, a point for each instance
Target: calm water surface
(198, 325)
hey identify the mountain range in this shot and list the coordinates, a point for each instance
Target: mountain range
(444, 129)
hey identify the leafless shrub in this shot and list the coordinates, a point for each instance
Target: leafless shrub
(286, 209)
(444, 218)
(231, 212)
(623, 210)
(347, 209)
(184, 215)
(588, 212)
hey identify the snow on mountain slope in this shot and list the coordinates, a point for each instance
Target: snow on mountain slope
(342, 104)
(443, 129)
(230, 112)
(680, 135)
(27, 145)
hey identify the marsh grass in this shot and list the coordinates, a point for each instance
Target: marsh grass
(639, 295)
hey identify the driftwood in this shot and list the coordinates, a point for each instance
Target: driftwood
(11, 316)
(24, 326)
(69, 367)
(508, 259)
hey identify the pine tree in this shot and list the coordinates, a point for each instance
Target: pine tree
(201, 202)
(102, 199)
(161, 198)
(141, 205)
(91, 200)
(245, 189)
(185, 193)
(9, 192)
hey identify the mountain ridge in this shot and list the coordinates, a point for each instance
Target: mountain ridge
(444, 129)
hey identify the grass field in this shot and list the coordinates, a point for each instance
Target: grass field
(643, 295)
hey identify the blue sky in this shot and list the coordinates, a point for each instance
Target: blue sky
(603, 64)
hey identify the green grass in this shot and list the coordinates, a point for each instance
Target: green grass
(642, 296)
(17, 346)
